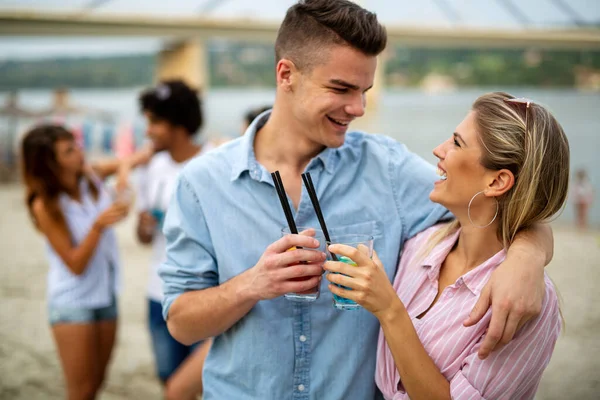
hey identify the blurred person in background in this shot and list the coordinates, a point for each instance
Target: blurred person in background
(583, 197)
(174, 115)
(69, 204)
(505, 168)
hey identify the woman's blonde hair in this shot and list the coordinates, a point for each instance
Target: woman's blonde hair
(529, 142)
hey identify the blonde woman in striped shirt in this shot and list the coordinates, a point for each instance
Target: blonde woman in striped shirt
(505, 168)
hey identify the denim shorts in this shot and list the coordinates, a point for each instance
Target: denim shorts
(168, 352)
(80, 315)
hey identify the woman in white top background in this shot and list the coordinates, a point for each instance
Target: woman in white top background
(71, 208)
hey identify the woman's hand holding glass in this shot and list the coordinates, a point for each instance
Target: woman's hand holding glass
(368, 281)
(114, 213)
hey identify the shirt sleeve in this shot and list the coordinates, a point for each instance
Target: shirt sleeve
(412, 180)
(515, 371)
(190, 263)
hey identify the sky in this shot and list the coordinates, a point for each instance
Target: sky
(431, 13)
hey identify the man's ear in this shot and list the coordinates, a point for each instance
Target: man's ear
(286, 73)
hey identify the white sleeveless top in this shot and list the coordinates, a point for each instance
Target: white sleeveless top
(98, 284)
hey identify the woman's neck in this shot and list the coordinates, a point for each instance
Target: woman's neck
(71, 187)
(476, 245)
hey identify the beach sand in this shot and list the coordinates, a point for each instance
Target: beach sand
(29, 368)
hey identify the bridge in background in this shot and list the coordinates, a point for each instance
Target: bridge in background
(184, 54)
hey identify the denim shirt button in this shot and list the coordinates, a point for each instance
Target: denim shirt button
(302, 338)
(301, 388)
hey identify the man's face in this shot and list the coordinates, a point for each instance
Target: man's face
(325, 100)
(159, 131)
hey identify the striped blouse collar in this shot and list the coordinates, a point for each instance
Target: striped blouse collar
(475, 279)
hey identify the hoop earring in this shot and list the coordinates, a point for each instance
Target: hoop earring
(469, 211)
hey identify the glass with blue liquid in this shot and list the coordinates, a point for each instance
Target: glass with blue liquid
(159, 216)
(363, 243)
(158, 212)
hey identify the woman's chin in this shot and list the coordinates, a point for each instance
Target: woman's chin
(434, 196)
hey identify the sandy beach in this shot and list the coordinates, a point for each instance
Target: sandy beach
(29, 368)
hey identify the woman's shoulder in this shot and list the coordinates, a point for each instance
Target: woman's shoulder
(417, 247)
(549, 319)
(38, 208)
(44, 215)
(551, 298)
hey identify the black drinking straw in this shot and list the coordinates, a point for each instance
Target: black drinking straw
(284, 202)
(310, 188)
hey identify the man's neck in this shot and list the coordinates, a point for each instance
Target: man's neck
(281, 144)
(184, 149)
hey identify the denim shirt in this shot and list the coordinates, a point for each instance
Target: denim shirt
(225, 212)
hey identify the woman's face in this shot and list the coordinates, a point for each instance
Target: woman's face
(69, 157)
(460, 168)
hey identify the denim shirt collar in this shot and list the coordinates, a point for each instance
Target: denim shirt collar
(244, 158)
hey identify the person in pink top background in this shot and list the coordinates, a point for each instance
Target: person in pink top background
(583, 196)
(505, 168)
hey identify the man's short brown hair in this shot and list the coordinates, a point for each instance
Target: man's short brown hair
(310, 26)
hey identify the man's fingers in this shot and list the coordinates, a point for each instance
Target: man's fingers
(298, 271)
(147, 218)
(298, 255)
(522, 322)
(148, 223)
(480, 308)
(300, 286)
(309, 232)
(289, 241)
(512, 325)
(495, 331)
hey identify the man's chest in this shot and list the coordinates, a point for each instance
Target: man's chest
(248, 217)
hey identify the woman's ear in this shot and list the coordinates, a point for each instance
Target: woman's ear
(502, 181)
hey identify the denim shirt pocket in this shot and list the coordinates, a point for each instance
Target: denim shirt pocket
(372, 228)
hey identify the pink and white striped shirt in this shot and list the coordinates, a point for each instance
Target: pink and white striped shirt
(513, 372)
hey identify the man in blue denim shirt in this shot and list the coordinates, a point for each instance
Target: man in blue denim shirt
(227, 267)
